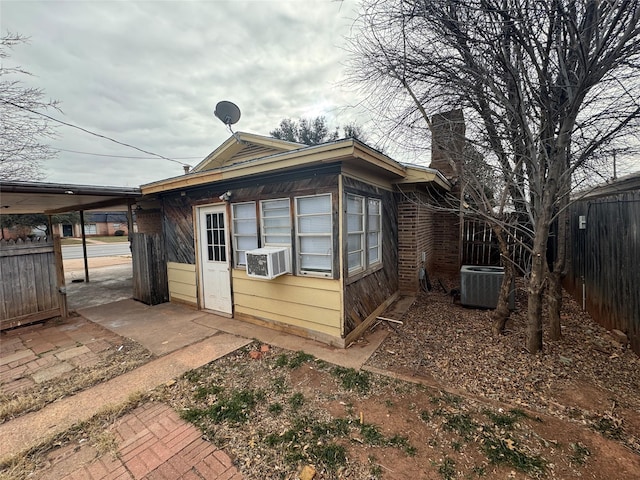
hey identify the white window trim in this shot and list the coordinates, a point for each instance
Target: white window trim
(262, 227)
(367, 266)
(298, 235)
(236, 249)
(362, 233)
(374, 264)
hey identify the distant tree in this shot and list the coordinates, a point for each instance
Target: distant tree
(353, 130)
(313, 131)
(22, 142)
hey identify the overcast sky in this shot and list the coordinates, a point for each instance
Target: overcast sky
(150, 74)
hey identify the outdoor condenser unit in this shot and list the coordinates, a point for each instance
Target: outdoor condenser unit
(268, 263)
(480, 286)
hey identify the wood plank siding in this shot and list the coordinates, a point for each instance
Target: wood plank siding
(178, 230)
(364, 294)
(183, 283)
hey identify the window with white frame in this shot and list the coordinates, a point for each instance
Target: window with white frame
(275, 220)
(314, 235)
(355, 232)
(364, 233)
(245, 232)
(374, 231)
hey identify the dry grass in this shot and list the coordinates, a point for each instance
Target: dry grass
(92, 432)
(127, 358)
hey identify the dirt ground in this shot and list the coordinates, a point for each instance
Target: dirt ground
(282, 412)
(463, 404)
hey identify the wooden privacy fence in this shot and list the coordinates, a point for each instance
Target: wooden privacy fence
(480, 245)
(30, 281)
(150, 283)
(604, 261)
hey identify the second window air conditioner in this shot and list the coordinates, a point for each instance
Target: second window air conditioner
(268, 263)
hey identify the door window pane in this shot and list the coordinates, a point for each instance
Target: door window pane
(216, 249)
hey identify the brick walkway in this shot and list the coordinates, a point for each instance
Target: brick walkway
(152, 443)
(37, 353)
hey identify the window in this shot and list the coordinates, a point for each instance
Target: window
(355, 232)
(245, 232)
(364, 232)
(314, 235)
(90, 229)
(216, 244)
(374, 232)
(276, 222)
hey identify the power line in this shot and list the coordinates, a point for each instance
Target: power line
(93, 133)
(121, 156)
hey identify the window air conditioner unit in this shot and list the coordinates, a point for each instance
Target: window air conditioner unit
(268, 263)
(480, 286)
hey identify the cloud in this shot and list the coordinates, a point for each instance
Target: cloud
(150, 73)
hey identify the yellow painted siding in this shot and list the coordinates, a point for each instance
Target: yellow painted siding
(182, 282)
(304, 302)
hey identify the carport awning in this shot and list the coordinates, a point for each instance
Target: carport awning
(49, 198)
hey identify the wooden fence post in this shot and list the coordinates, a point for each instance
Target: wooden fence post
(62, 289)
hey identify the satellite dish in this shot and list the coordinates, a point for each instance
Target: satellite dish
(228, 112)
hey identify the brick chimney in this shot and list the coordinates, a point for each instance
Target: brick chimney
(448, 143)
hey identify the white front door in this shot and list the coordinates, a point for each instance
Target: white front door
(215, 279)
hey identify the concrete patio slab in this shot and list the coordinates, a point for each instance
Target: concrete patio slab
(353, 357)
(160, 328)
(106, 284)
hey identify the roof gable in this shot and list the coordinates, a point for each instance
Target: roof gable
(349, 152)
(241, 147)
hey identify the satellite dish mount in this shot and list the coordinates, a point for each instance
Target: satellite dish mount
(229, 114)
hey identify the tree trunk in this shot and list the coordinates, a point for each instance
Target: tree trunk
(554, 302)
(554, 287)
(536, 282)
(534, 305)
(501, 313)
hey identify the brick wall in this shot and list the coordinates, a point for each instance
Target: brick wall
(416, 236)
(445, 258)
(421, 229)
(407, 246)
(424, 229)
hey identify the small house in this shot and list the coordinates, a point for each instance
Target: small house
(313, 240)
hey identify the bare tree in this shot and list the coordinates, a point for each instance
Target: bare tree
(548, 86)
(24, 132)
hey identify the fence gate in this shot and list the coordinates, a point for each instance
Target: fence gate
(150, 284)
(29, 283)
